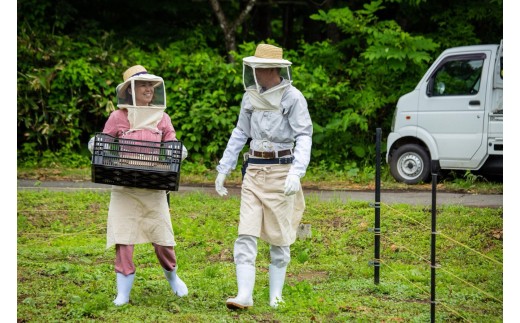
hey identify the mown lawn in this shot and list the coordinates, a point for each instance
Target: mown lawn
(66, 274)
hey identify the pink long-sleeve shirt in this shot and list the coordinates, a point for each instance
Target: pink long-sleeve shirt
(118, 125)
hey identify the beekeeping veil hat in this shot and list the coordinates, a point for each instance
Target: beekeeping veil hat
(141, 117)
(125, 91)
(266, 56)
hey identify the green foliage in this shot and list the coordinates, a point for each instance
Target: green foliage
(63, 96)
(64, 272)
(70, 58)
(383, 62)
(462, 23)
(204, 96)
(61, 107)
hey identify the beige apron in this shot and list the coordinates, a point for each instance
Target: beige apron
(137, 215)
(265, 211)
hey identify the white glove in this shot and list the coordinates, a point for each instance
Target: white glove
(91, 145)
(292, 184)
(184, 153)
(219, 184)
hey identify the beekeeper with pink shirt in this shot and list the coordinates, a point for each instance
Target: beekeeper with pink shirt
(138, 215)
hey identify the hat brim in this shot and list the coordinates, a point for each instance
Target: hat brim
(254, 61)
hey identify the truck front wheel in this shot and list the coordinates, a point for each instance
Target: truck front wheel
(410, 164)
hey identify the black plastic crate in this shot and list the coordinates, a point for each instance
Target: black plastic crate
(136, 163)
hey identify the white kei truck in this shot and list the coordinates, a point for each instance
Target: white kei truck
(453, 119)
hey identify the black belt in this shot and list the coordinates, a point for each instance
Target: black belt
(271, 161)
(270, 154)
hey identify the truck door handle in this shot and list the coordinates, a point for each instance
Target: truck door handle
(474, 102)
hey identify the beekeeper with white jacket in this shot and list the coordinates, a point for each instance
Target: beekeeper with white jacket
(274, 115)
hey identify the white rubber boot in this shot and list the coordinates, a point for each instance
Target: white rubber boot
(276, 281)
(124, 286)
(178, 286)
(246, 284)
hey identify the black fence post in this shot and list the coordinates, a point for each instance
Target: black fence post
(377, 208)
(433, 265)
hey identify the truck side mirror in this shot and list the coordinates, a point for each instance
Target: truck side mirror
(435, 88)
(439, 88)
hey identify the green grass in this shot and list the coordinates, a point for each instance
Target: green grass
(66, 274)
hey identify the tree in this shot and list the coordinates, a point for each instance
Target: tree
(228, 29)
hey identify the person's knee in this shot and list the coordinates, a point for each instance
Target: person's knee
(281, 262)
(166, 256)
(280, 256)
(123, 262)
(245, 250)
